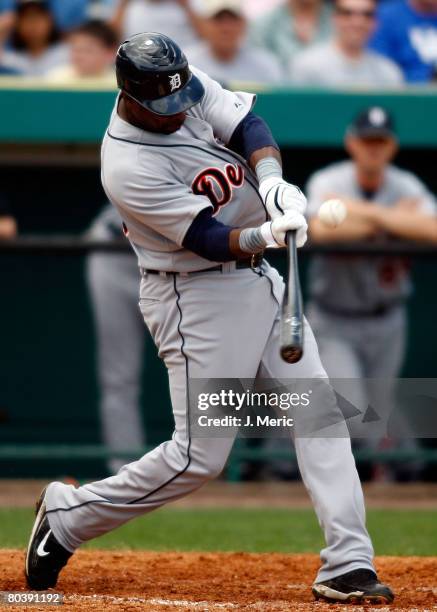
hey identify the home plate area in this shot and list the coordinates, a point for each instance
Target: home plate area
(100, 580)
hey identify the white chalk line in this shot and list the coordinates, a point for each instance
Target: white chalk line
(155, 601)
(205, 606)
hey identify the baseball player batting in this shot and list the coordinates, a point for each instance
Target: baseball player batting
(197, 179)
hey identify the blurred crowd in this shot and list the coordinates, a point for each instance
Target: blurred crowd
(321, 43)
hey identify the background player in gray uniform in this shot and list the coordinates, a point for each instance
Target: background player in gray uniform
(113, 280)
(195, 174)
(357, 304)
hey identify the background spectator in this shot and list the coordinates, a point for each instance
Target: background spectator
(291, 27)
(67, 14)
(407, 34)
(357, 305)
(224, 55)
(8, 225)
(92, 51)
(176, 18)
(345, 60)
(35, 41)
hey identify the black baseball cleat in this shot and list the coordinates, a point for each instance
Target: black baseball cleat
(359, 586)
(45, 557)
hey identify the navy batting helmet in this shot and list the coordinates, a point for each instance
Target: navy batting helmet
(153, 70)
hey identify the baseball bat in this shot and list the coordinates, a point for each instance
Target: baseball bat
(292, 308)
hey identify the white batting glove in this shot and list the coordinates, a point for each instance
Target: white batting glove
(280, 197)
(274, 231)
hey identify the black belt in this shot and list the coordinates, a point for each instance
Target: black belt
(252, 262)
(378, 311)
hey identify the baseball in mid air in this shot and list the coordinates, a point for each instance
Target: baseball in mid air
(332, 213)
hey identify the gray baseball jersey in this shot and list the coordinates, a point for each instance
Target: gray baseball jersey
(362, 283)
(161, 186)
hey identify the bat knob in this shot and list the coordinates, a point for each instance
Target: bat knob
(291, 354)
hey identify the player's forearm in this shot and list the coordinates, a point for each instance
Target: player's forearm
(215, 241)
(361, 210)
(352, 229)
(253, 140)
(264, 153)
(234, 245)
(406, 224)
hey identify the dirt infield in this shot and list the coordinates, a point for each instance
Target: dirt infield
(198, 582)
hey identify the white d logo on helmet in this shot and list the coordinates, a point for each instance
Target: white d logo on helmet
(175, 81)
(377, 116)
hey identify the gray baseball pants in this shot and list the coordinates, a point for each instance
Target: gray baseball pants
(219, 325)
(113, 281)
(369, 350)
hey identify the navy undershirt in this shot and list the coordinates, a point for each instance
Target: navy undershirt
(206, 236)
(251, 134)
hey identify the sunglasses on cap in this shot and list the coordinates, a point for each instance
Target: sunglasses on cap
(345, 12)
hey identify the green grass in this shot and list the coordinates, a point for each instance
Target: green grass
(394, 532)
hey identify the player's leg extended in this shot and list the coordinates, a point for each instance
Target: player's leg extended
(204, 328)
(327, 467)
(120, 335)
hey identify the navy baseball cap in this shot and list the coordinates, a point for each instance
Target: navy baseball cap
(374, 121)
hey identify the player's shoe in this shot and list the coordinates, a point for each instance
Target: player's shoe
(45, 557)
(359, 586)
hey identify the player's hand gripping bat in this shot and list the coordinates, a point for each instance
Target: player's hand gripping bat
(292, 309)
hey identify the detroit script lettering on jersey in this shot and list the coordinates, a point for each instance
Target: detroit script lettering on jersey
(217, 185)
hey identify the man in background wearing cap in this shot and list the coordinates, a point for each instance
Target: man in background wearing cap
(345, 60)
(357, 304)
(225, 55)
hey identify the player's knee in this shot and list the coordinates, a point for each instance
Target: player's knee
(214, 469)
(208, 468)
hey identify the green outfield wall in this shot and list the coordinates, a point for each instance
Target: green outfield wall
(298, 117)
